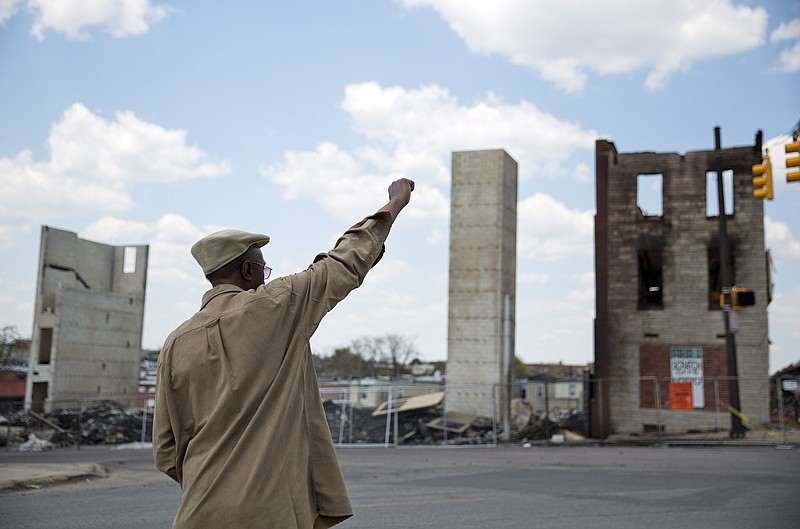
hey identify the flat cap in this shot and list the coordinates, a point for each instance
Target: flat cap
(214, 251)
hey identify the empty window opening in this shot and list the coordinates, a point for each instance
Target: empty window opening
(712, 198)
(651, 286)
(45, 344)
(38, 396)
(129, 260)
(715, 277)
(649, 195)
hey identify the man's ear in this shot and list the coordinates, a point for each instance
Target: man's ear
(247, 270)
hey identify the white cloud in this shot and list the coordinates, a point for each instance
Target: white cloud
(532, 278)
(8, 8)
(786, 31)
(170, 239)
(7, 234)
(548, 230)
(421, 124)
(112, 230)
(554, 329)
(789, 59)
(118, 18)
(586, 295)
(565, 41)
(411, 134)
(93, 165)
(780, 241)
(435, 237)
(344, 182)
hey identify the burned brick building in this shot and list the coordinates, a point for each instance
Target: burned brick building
(87, 323)
(658, 290)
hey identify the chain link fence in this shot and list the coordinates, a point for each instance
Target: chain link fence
(410, 415)
(785, 403)
(543, 410)
(668, 410)
(75, 422)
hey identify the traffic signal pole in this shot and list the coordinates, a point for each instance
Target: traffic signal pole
(737, 428)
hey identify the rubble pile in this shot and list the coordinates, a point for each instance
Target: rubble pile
(351, 425)
(34, 444)
(422, 420)
(104, 423)
(417, 420)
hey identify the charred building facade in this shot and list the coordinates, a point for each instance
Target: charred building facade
(658, 287)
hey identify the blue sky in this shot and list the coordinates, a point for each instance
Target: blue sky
(142, 122)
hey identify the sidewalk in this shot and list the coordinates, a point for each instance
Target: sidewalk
(753, 437)
(36, 475)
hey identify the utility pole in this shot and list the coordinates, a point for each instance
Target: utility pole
(726, 275)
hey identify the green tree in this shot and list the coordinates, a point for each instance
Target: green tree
(345, 363)
(390, 354)
(9, 342)
(520, 369)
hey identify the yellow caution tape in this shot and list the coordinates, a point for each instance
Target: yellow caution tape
(758, 425)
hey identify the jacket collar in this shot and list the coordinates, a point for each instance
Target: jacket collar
(218, 291)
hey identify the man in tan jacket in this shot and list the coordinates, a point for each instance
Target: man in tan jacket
(239, 422)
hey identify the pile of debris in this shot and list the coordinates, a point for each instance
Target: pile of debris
(419, 420)
(104, 423)
(527, 426)
(423, 420)
(34, 444)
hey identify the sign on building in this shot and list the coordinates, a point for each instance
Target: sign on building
(686, 365)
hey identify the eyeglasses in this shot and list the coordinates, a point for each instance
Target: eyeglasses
(267, 270)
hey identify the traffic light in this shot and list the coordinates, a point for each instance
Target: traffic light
(736, 298)
(741, 298)
(762, 180)
(792, 161)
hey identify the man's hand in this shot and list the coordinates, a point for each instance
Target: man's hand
(399, 196)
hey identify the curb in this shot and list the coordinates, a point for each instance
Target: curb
(34, 476)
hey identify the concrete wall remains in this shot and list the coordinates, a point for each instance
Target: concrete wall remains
(87, 323)
(482, 289)
(658, 284)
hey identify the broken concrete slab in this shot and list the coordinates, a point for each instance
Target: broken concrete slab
(407, 404)
(34, 444)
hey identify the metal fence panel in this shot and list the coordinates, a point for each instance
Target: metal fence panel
(665, 410)
(76, 422)
(405, 415)
(553, 410)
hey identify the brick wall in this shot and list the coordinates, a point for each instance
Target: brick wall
(654, 361)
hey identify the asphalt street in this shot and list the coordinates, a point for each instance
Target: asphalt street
(464, 488)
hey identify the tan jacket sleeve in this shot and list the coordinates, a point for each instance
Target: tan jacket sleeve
(164, 448)
(333, 275)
